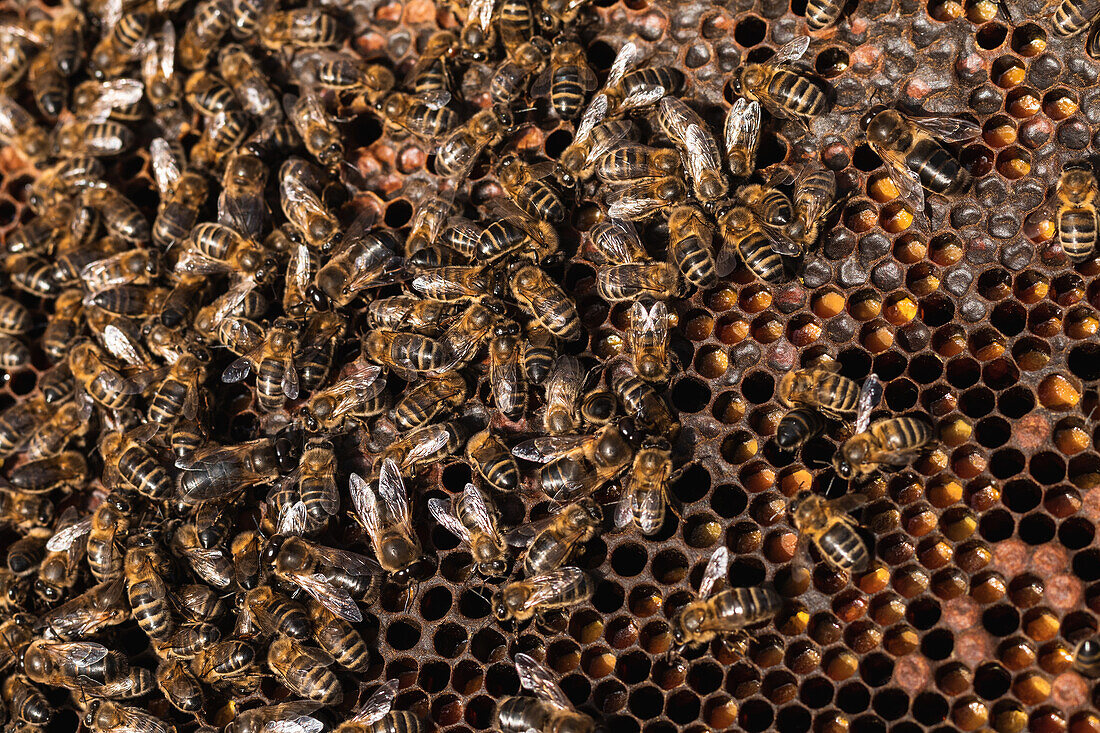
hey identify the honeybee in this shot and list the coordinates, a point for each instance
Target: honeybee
(298, 27)
(122, 218)
(358, 85)
(316, 348)
(208, 95)
(216, 249)
(504, 374)
(245, 547)
(48, 84)
(1086, 658)
(742, 136)
(406, 353)
(59, 569)
(509, 79)
(628, 88)
(568, 77)
(895, 441)
(273, 362)
(19, 422)
(785, 92)
(798, 426)
(16, 630)
(225, 661)
(425, 115)
(106, 530)
(593, 139)
(130, 461)
(645, 488)
(647, 338)
(690, 246)
(598, 407)
(515, 23)
(538, 353)
(222, 135)
(146, 587)
(429, 399)
(367, 260)
(249, 83)
(687, 130)
(376, 715)
(544, 299)
(354, 396)
(467, 332)
(631, 161)
(271, 613)
(547, 712)
(725, 613)
(104, 716)
(492, 461)
(563, 386)
(304, 670)
(1071, 17)
(162, 86)
(642, 403)
(97, 608)
(525, 185)
(300, 562)
(25, 554)
(458, 152)
(65, 470)
(644, 197)
(294, 715)
(458, 284)
(821, 388)
(179, 685)
(759, 246)
(339, 638)
(315, 127)
(211, 564)
(408, 313)
(217, 471)
(203, 31)
(75, 665)
(25, 701)
(1076, 215)
(101, 381)
(826, 524)
(633, 280)
(303, 208)
(182, 195)
(522, 600)
(121, 44)
(914, 157)
(814, 196)
(93, 136)
(579, 464)
(550, 542)
(386, 520)
(19, 130)
(13, 590)
(471, 518)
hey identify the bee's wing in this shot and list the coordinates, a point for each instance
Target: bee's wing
(9, 111)
(907, 181)
(292, 519)
(482, 517)
(702, 152)
(522, 535)
(296, 724)
(628, 56)
(335, 599)
(350, 562)
(80, 653)
(377, 705)
(363, 500)
(167, 49)
(780, 242)
(121, 346)
(435, 98)
(593, 114)
(289, 383)
(483, 11)
(869, 395)
(428, 447)
(716, 570)
(551, 585)
(619, 240)
(206, 564)
(166, 169)
(643, 96)
(602, 147)
(65, 537)
(441, 510)
(540, 681)
(652, 324)
(112, 95)
(742, 129)
(792, 51)
(632, 200)
(624, 511)
(238, 370)
(391, 487)
(503, 378)
(549, 448)
(947, 129)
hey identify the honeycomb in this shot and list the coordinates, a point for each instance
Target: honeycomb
(987, 567)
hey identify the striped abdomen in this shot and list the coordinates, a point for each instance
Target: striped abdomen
(741, 607)
(1077, 232)
(756, 251)
(1074, 16)
(567, 92)
(798, 426)
(901, 433)
(398, 721)
(269, 384)
(694, 260)
(822, 13)
(835, 395)
(515, 24)
(796, 94)
(938, 170)
(142, 471)
(167, 402)
(843, 548)
(147, 595)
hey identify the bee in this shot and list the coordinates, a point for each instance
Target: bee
(429, 399)
(356, 84)
(299, 27)
(647, 337)
(468, 331)
(407, 352)
(914, 157)
(179, 394)
(1071, 17)
(741, 134)
(642, 403)
(472, 518)
(56, 385)
(355, 396)
(377, 716)
(429, 443)
(550, 543)
(895, 441)
(424, 115)
(538, 353)
(429, 221)
(315, 127)
(19, 130)
(458, 152)
(591, 142)
(386, 520)
(568, 77)
(544, 299)
(182, 195)
(631, 161)
(75, 665)
(179, 686)
(339, 638)
(633, 280)
(18, 44)
(222, 135)
(104, 716)
(245, 548)
(492, 461)
(65, 470)
(1076, 216)
(19, 422)
(408, 313)
(686, 129)
(645, 488)
(814, 194)
(59, 569)
(34, 275)
(822, 389)
(217, 249)
(212, 565)
(549, 711)
(690, 246)
(515, 23)
(299, 562)
(208, 95)
(106, 530)
(127, 459)
(579, 464)
(100, 138)
(192, 637)
(97, 608)
(798, 426)
(1086, 658)
(644, 197)
(218, 471)
(162, 86)
(199, 603)
(537, 199)
(759, 246)
(48, 84)
(563, 386)
(100, 380)
(522, 600)
(785, 92)
(628, 88)
(273, 361)
(122, 218)
(227, 660)
(726, 613)
(823, 13)
(203, 32)
(293, 714)
(122, 42)
(145, 568)
(117, 100)
(304, 210)
(509, 79)
(24, 701)
(826, 524)
(367, 260)
(304, 670)
(243, 74)
(458, 284)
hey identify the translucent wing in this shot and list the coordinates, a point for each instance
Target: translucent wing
(290, 378)
(906, 180)
(618, 240)
(121, 346)
(166, 169)
(297, 724)
(335, 599)
(633, 200)
(483, 11)
(237, 371)
(948, 129)
(702, 152)
(503, 377)
(63, 538)
(207, 565)
(624, 511)
(652, 325)
(792, 51)
(552, 585)
(363, 499)
(475, 500)
(168, 49)
(114, 94)
(522, 535)
(611, 138)
(643, 96)
(81, 653)
(742, 129)
(435, 99)
(392, 489)
(869, 395)
(436, 441)
(441, 510)
(377, 705)
(549, 448)
(627, 57)
(780, 242)
(540, 681)
(594, 113)
(649, 508)
(292, 519)
(716, 570)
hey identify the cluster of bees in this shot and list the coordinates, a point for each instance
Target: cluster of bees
(373, 354)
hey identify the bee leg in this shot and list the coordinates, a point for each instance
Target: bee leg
(736, 643)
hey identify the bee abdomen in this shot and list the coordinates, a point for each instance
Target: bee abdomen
(149, 608)
(695, 261)
(838, 394)
(520, 714)
(566, 92)
(747, 606)
(1077, 233)
(796, 94)
(759, 258)
(902, 433)
(938, 170)
(798, 426)
(1074, 16)
(144, 473)
(398, 721)
(822, 13)
(844, 548)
